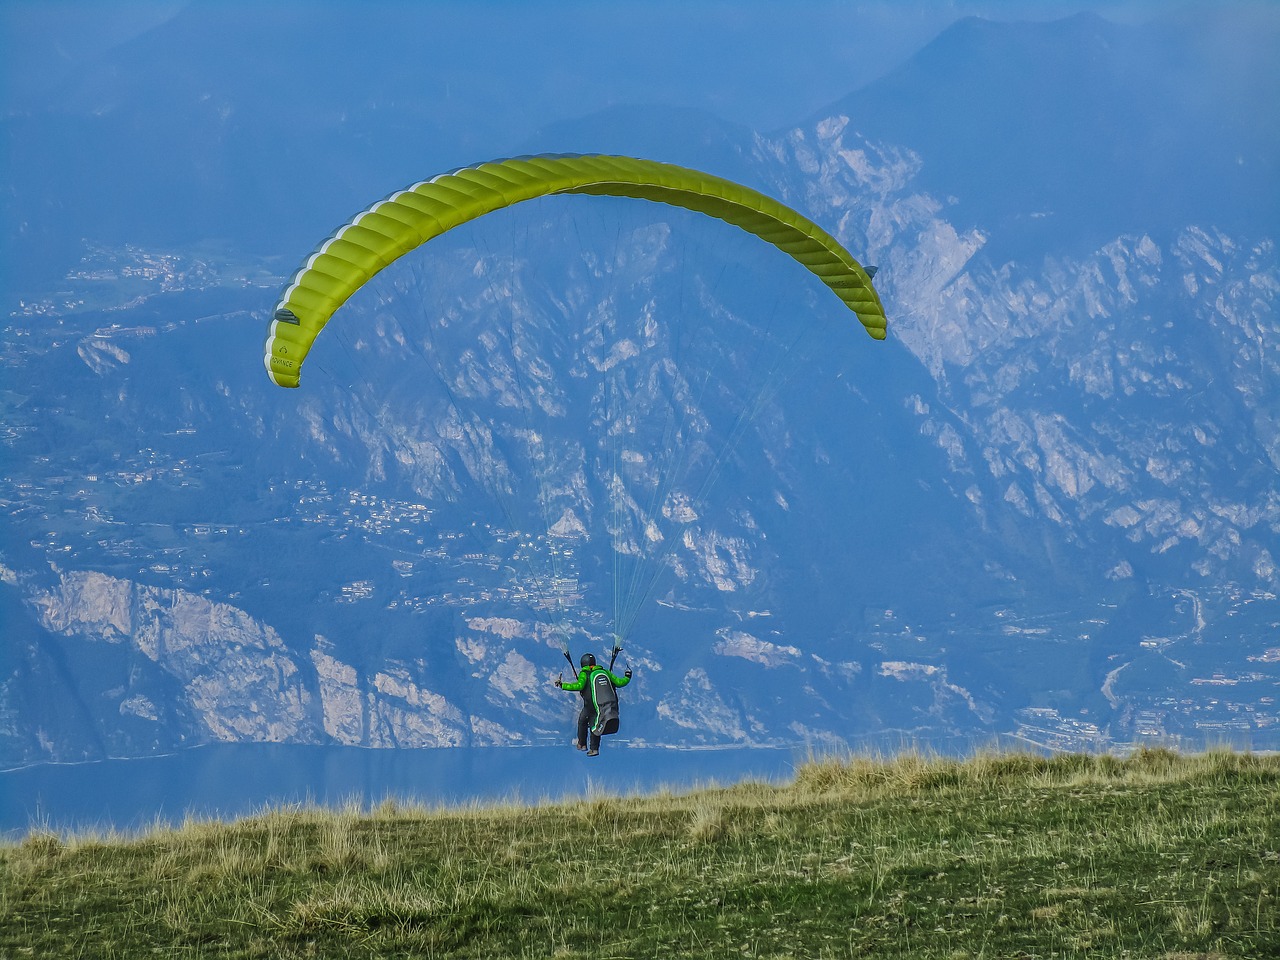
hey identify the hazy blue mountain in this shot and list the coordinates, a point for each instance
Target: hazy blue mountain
(160, 141)
(1045, 507)
(1063, 135)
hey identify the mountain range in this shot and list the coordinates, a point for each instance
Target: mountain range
(1046, 507)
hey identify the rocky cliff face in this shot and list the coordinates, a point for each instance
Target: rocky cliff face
(229, 677)
(1081, 390)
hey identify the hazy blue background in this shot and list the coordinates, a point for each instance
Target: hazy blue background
(395, 89)
(518, 66)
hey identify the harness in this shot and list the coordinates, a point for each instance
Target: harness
(604, 698)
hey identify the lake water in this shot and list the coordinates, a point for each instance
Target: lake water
(226, 781)
(233, 780)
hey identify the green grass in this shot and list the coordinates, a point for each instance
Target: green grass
(1159, 855)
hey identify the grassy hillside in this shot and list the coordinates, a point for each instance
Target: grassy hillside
(1156, 856)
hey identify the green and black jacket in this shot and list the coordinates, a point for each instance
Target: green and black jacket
(587, 685)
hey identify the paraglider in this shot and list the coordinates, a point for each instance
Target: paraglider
(599, 714)
(405, 220)
(408, 218)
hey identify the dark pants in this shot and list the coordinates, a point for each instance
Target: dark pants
(586, 717)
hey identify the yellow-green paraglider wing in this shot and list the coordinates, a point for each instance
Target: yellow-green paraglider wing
(407, 219)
